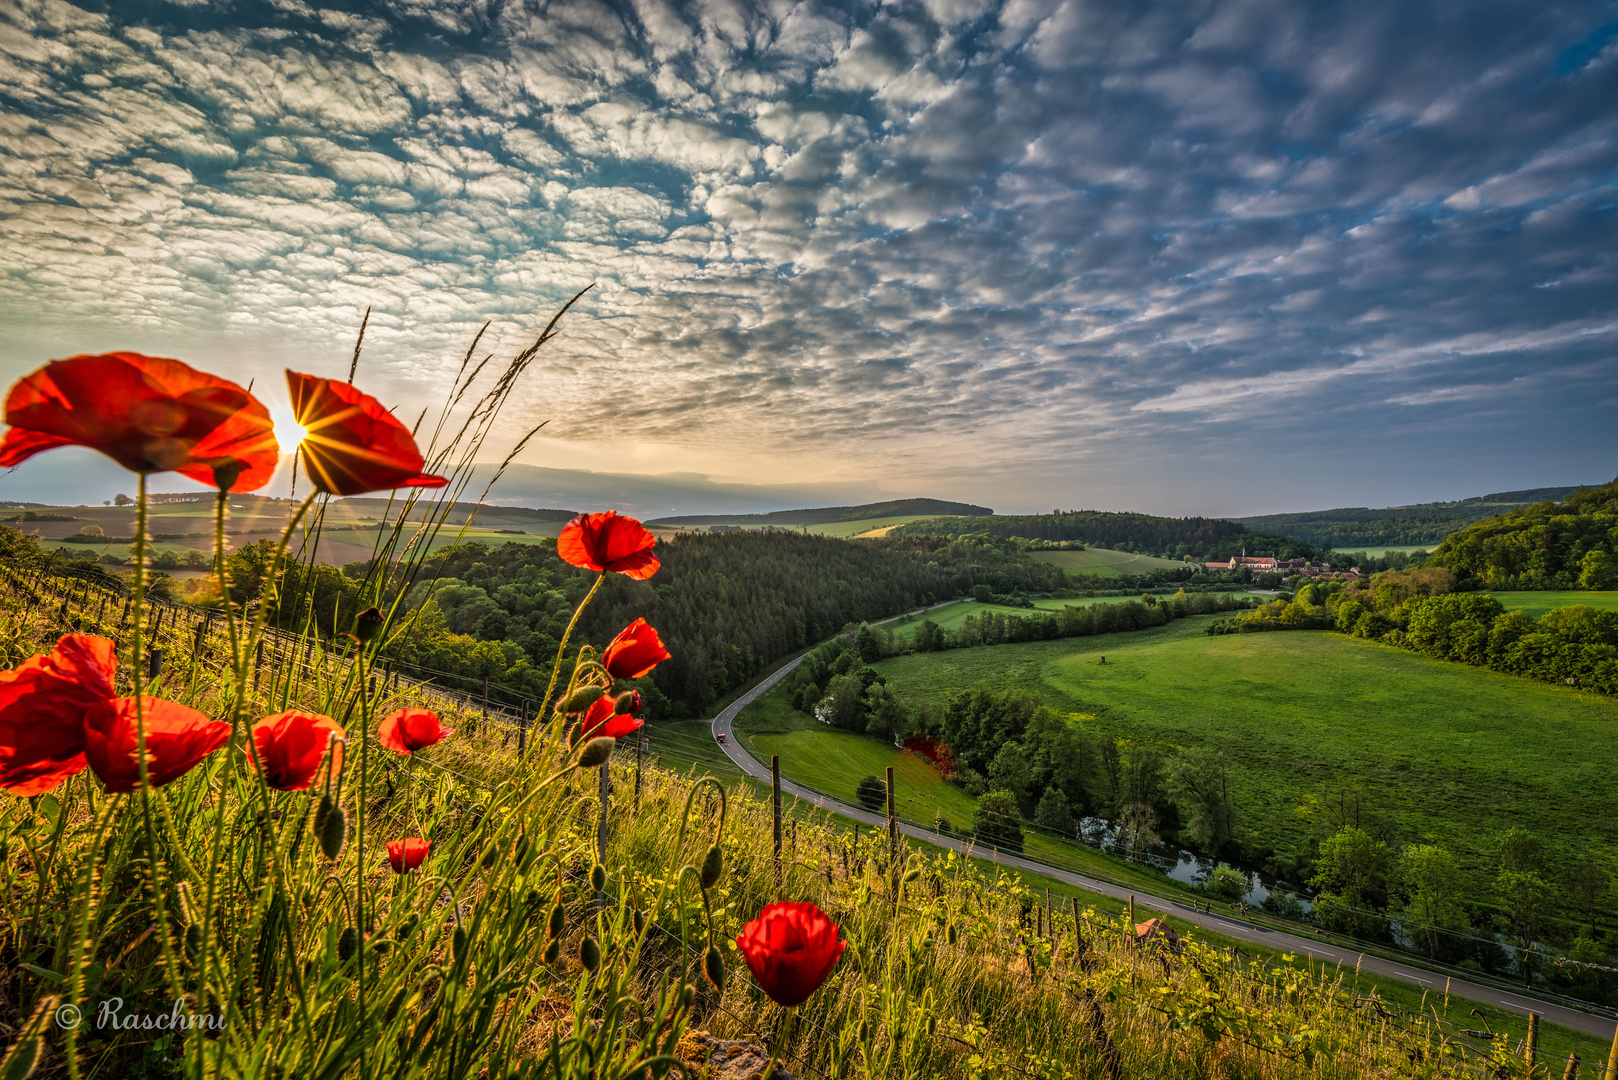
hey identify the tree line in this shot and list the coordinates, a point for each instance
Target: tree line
(1572, 544)
(1174, 537)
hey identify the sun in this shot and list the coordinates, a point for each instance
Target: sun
(289, 433)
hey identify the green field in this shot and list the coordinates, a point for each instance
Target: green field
(872, 526)
(1452, 753)
(951, 616)
(1538, 603)
(1103, 562)
(1374, 552)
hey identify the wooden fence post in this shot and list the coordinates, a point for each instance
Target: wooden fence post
(640, 746)
(1612, 1058)
(775, 789)
(1530, 1049)
(258, 662)
(154, 663)
(893, 839)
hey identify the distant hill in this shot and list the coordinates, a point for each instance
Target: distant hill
(827, 514)
(1355, 527)
(1173, 537)
(482, 511)
(1543, 545)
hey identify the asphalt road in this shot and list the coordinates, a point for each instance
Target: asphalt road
(1552, 1012)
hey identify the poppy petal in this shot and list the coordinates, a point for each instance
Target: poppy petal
(352, 444)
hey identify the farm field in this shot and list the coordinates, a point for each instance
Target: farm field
(1103, 562)
(1538, 603)
(1408, 549)
(1453, 754)
(951, 616)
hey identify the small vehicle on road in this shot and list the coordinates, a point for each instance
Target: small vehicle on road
(720, 736)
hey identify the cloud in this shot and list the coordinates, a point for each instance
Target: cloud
(1047, 247)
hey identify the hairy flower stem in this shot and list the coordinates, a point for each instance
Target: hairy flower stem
(156, 864)
(561, 650)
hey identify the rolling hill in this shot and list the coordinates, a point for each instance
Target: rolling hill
(826, 515)
(1352, 528)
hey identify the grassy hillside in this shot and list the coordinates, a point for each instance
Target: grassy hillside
(1538, 603)
(1448, 752)
(1359, 528)
(1104, 562)
(1171, 537)
(828, 514)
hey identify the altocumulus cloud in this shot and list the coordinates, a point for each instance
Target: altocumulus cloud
(999, 243)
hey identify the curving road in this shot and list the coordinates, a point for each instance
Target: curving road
(1590, 1023)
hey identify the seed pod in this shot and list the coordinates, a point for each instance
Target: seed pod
(460, 943)
(367, 624)
(582, 699)
(596, 752)
(713, 864)
(20, 1061)
(348, 944)
(406, 927)
(394, 1005)
(590, 954)
(598, 877)
(553, 951)
(332, 825)
(713, 966)
(558, 919)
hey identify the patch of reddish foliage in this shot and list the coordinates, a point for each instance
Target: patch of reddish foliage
(937, 754)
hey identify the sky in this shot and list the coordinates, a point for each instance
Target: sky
(1200, 257)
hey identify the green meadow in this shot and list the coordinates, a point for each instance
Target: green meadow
(1538, 603)
(1103, 562)
(1453, 754)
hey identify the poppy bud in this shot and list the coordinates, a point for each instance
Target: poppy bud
(331, 826)
(395, 1004)
(912, 875)
(558, 919)
(22, 1059)
(531, 899)
(487, 862)
(951, 933)
(640, 922)
(581, 699)
(596, 752)
(367, 625)
(628, 702)
(193, 942)
(713, 966)
(713, 864)
(553, 950)
(407, 926)
(590, 954)
(459, 942)
(598, 877)
(687, 994)
(348, 944)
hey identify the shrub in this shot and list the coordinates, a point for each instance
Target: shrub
(871, 793)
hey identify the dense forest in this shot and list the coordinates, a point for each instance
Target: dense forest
(1352, 527)
(725, 604)
(1572, 544)
(1173, 538)
(828, 514)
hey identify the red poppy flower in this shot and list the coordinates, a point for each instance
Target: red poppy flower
(42, 705)
(407, 854)
(634, 652)
(289, 747)
(146, 413)
(602, 720)
(791, 949)
(609, 542)
(409, 730)
(177, 737)
(351, 444)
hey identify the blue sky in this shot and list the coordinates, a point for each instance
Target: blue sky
(1196, 257)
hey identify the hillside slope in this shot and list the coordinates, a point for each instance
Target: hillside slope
(1351, 527)
(1173, 537)
(826, 514)
(1572, 544)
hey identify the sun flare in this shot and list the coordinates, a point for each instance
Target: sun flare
(289, 433)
